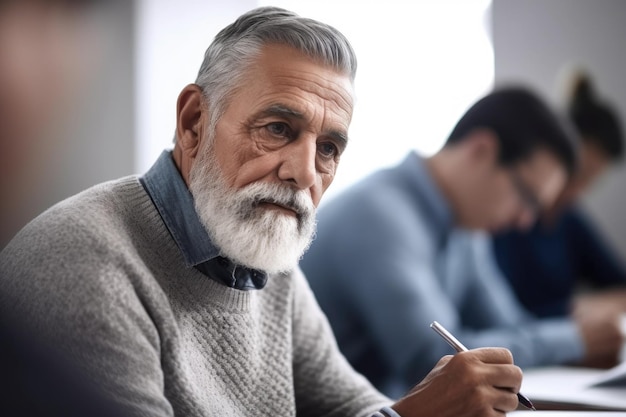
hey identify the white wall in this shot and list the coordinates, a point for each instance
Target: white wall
(535, 39)
(171, 37)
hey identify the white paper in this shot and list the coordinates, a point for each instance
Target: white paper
(570, 385)
(614, 377)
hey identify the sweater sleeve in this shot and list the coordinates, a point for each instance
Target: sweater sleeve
(325, 384)
(70, 288)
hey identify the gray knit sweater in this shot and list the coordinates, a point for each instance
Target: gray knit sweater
(101, 277)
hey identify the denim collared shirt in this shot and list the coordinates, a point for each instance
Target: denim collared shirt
(172, 198)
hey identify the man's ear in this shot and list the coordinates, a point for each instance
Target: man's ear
(484, 145)
(190, 114)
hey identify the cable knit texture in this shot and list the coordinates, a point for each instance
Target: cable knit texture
(100, 277)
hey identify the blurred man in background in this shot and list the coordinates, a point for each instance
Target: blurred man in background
(407, 246)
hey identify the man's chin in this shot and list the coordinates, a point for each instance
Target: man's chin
(269, 251)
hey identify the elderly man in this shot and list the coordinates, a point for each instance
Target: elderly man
(179, 292)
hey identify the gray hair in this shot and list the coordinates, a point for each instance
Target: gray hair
(235, 47)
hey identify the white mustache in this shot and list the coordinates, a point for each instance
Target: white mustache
(297, 201)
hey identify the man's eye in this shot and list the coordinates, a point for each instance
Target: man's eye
(328, 149)
(278, 129)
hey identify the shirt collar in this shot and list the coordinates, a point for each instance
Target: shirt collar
(175, 204)
(172, 198)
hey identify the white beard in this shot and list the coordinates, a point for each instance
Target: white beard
(246, 233)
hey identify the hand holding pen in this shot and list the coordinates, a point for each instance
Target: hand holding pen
(478, 383)
(459, 347)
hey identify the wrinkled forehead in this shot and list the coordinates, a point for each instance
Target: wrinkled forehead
(281, 73)
(280, 60)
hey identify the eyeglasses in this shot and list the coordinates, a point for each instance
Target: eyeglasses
(526, 194)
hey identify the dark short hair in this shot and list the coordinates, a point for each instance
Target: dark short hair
(523, 123)
(596, 121)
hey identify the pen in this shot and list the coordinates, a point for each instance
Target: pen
(459, 347)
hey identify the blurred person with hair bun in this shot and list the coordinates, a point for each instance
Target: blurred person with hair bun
(564, 251)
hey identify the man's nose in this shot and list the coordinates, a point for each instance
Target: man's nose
(299, 163)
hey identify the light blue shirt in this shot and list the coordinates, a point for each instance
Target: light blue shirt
(387, 261)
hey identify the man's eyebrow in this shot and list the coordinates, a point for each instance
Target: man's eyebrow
(285, 111)
(281, 110)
